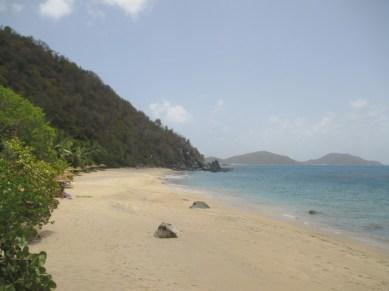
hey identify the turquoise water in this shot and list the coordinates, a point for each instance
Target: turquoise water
(351, 200)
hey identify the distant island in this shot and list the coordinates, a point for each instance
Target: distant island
(268, 158)
(341, 159)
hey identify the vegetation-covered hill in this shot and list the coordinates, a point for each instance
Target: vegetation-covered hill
(341, 159)
(267, 158)
(81, 106)
(260, 158)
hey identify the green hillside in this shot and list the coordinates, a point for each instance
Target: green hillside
(81, 106)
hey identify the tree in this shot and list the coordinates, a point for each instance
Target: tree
(18, 117)
(158, 122)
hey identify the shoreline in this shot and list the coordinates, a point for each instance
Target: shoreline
(103, 240)
(279, 213)
(266, 212)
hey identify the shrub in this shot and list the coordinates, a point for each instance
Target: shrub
(20, 270)
(28, 183)
(27, 199)
(18, 117)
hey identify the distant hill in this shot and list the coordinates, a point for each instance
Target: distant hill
(80, 105)
(260, 158)
(268, 158)
(341, 159)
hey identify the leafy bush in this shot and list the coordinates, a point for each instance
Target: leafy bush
(29, 183)
(27, 199)
(78, 153)
(18, 117)
(20, 270)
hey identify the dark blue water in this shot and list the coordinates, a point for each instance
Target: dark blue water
(351, 200)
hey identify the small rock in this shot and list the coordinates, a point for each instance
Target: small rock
(199, 204)
(165, 230)
(312, 212)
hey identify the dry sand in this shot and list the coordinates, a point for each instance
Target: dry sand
(102, 239)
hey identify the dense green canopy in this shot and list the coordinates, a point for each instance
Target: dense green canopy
(18, 117)
(80, 105)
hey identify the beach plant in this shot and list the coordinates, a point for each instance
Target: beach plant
(19, 118)
(63, 147)
(29, 183)
(22, 270)
(77, 153)
(27, 199)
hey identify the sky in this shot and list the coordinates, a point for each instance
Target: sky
(301, 78)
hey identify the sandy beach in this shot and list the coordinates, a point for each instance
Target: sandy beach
(102, 239)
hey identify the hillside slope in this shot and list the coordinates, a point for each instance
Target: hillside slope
(79, 104)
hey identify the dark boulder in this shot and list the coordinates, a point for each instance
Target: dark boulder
(214, 166)
(312, 212)
(165, 230)
(199, 204)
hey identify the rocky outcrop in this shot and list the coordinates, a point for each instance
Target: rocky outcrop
(214, 166)
(165, 230)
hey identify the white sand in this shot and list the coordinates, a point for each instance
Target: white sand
(102, 239)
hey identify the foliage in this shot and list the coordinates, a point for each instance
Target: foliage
(27, 199)
(18, 117)
(27, 182)
(20, 270)
(81, 106)
(78, 153)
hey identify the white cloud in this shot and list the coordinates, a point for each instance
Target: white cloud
(361, 129)
(56, 9)
(170, 113)
(359, 103)
(131, 7)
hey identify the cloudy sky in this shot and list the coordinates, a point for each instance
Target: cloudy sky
(301, 78)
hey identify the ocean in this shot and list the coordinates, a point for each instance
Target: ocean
(347, 200)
